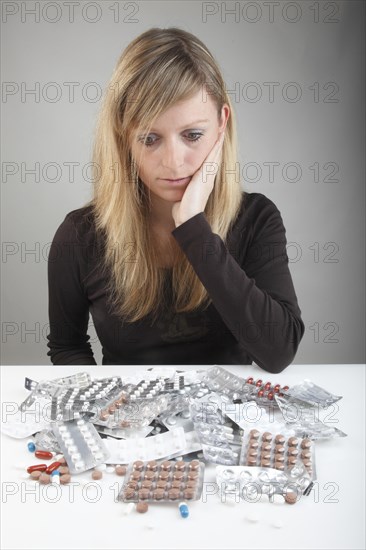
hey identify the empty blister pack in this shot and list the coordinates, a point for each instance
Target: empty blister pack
(147, 448)
(46, 441)
(311, 393)
(242, 414)
(177, 404)
(222, 381)
(303, 418)
(217, 439)
(252, 483)
(21, 422)
(280, 451)
(169, 481)
(81, 445)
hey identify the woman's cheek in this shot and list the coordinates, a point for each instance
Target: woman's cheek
(196, 159)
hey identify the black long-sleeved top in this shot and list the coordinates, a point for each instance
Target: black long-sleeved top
(254, 314)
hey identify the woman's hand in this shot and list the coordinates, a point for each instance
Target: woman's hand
(200, 187)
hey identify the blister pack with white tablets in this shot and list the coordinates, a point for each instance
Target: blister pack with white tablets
(148, 448)
(147, 389)
(193, 445)
(52, 387)
(125, 433)
(81, 445)
(88, 399)
(79, 379)
(168, 481)
(178, 420)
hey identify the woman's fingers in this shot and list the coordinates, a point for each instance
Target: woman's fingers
(216, 149)
(210, 166)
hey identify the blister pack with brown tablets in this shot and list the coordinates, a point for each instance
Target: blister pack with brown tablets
(278, 451)
(167, 481)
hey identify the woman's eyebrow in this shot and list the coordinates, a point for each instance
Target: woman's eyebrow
(189, 125)
(193, 123)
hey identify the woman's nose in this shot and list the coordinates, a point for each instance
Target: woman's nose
(172, 157)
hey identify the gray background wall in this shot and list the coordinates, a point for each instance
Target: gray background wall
(296, 75)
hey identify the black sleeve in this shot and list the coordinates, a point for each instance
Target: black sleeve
(68, 306)
(256, 300)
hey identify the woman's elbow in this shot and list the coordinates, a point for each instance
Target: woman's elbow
(283, 350)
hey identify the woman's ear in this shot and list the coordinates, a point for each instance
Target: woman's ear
(225, 113)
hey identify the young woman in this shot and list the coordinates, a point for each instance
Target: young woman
(174, 261)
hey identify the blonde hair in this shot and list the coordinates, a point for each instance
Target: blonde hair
(157, 69)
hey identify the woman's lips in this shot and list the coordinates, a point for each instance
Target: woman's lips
(181, 181)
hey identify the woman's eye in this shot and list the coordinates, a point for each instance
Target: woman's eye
(195, 134)
(145, 142)
(148, 143)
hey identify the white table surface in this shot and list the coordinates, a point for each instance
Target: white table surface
(332, 517)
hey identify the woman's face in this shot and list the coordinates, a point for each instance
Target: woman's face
(177, 144)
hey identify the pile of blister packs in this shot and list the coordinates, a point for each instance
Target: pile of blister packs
(160, 428)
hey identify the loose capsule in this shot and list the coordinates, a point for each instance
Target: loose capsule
(52, 467)
(31, 446)
(46, 455)
(184, 510)
(37, 468)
